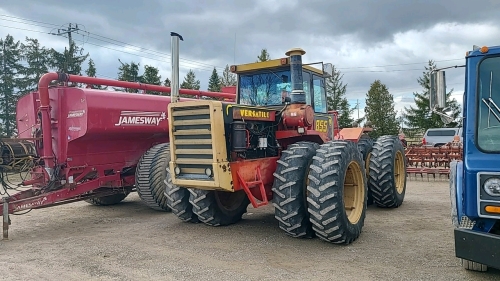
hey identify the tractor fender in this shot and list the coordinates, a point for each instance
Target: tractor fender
(456, 191)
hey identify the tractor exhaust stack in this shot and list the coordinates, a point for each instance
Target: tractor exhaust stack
(175, 66)
(297, 95)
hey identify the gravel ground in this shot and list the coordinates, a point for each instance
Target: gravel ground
(132, 242)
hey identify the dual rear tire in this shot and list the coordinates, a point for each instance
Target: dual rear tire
(320, 190)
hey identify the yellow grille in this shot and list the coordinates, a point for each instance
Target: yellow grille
(191, 139)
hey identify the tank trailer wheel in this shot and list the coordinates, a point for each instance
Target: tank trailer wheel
(218, 208)
(150, 174)
(387, 175)
(178, 200)
(337, 192)
(365, 146)
(473, 266)
(289, 189)
(107, 200)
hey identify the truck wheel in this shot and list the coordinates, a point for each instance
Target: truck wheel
(387, 174)
(150, 174)
(473, 266)
(107, 200)
(178, 200)
(365, 146)
(217, 208)
(289, 189)
(337, 192)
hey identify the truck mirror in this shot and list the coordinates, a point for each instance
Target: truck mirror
(327, 70)
(437, 96)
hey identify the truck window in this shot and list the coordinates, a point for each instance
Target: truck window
(441, 133)
(488, 119)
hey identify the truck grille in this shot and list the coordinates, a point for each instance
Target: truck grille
(192, 141)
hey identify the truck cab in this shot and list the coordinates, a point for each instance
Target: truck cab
(475, 181)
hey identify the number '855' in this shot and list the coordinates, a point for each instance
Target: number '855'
(321, 125)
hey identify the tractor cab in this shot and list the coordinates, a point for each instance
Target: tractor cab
(268, 83)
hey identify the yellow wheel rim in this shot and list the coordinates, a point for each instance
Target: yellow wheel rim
(399, 172)
(354, 192)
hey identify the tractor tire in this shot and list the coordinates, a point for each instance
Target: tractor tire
(218, 208)
(290, 188)
(150, 174)
(178, 200)
(107, 200)
(365, 146)
(337, 192)
(387, 175)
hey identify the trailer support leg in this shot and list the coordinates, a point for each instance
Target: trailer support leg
(5, 218)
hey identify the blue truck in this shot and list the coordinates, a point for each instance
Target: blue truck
(475, 180)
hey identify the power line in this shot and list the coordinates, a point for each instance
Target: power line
(134, 54)
(199, 65)
(205, 65)
(122, 44)
(7, 16)
(388, 65)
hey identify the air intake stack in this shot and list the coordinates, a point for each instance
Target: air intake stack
(297, 96)
(174, 94)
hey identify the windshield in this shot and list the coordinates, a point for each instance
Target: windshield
(271, 87)
(264, 88)
(488, 127)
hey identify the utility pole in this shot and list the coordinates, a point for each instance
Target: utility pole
(357, 106)
(68, 31)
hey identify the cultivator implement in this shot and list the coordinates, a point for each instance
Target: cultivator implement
(432, 161)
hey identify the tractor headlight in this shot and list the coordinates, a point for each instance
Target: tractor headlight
(177, 170)
(208, 172)
(492, 186)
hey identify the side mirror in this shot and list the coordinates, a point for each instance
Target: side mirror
(437, 96)
(327, 70)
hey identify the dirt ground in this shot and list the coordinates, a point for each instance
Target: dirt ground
(132, 242)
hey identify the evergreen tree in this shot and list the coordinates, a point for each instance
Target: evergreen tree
(152, 76)
(336, 99)
(214, 83)
(38, 60)
(228, 78)
(380, 111)
(10, 83)
(91, 71)
(418, 117)
(264, 56)
(129, 72)
(70, 61)
(167, 82)
(190, 81)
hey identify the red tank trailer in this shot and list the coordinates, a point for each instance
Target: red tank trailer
(92, 145)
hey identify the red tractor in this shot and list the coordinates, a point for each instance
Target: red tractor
(279, 144)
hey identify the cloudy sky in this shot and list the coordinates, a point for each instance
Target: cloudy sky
(389, 40)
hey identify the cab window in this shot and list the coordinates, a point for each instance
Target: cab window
(319, 94)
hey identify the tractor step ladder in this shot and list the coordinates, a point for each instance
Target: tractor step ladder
(247, 185)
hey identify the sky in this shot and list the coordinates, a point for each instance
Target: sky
(388, 40)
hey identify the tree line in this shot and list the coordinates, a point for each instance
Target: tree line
(23, 63)
(380, 111)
